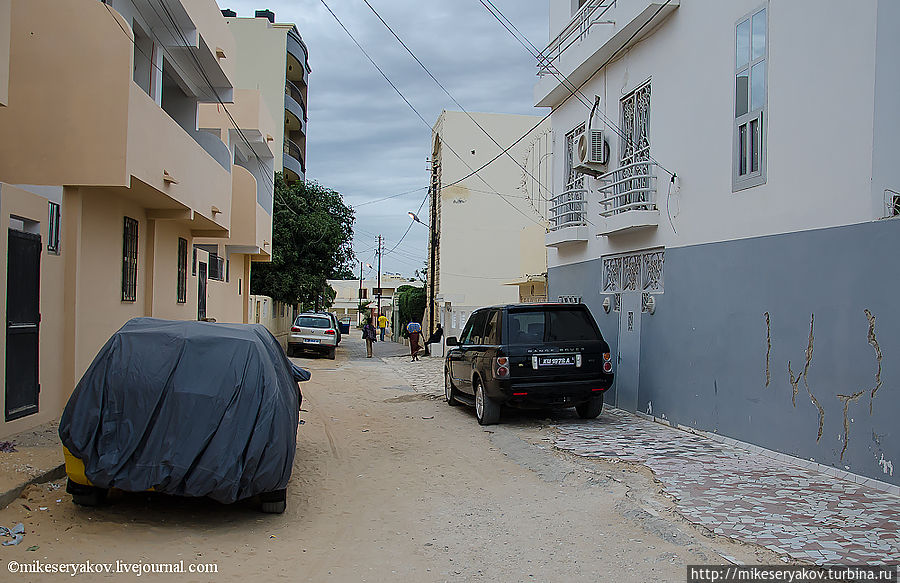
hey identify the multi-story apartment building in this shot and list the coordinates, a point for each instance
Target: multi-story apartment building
(275, 60)
(486, 227)
(725, 209)
(109, 177)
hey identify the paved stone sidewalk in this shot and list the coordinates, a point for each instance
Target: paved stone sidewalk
(789, 509)
(424, 375)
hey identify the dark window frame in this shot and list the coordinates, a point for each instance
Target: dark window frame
(53, 228)
(181, 286)
(130, 239)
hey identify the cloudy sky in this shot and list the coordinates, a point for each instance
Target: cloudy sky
(364, 141)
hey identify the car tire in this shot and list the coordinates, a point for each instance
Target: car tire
(590, 409)
(331, 352)
(86, 495)
(273, 502)
(487, 410)
(449, 390)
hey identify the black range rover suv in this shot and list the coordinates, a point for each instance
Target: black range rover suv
(529, 356)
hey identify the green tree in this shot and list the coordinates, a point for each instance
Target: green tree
(411, 303)
(312, 230)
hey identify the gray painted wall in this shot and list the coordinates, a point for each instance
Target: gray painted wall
(706, 351)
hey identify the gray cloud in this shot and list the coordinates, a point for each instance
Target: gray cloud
(364, 141)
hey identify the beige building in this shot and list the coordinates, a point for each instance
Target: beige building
(274, 60)
(126, 188)
(487, 244)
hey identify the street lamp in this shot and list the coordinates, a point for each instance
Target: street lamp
(413, 216)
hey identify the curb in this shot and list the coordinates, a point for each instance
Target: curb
(52, 474)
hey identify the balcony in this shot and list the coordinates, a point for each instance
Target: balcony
(294, 92)
(298, 58)
(293, 161)
(568, 219)
(118, 138)
(628, 199)
(597, 32)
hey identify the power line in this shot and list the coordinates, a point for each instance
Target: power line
(444, 89)
(576, 92)
(449, 147)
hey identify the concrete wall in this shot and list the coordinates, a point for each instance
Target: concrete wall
(886, 144)
(276, 316)
(751, 334)
(54, 390)
(5, 20)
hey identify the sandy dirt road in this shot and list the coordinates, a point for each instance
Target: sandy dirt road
(391, 484)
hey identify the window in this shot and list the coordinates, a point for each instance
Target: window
(750, 101)
(129, 260)
(492, 331)
(53, 229)
(194, 262)
(182, 270)
(216, 267)
(363, 293)
(227, 270)
(634, 159)
(474, 332)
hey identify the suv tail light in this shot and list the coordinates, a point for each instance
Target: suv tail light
(607, 365)
(295, 328)
(501, 367)
(329, 332)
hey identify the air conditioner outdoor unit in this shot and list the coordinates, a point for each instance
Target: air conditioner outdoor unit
(591, 153)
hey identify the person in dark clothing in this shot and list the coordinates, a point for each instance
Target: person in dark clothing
(435, 338)
(369, 333)
(414, 329)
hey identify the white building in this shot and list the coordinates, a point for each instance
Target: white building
(351, 292)
(488, 228)
(738, 230)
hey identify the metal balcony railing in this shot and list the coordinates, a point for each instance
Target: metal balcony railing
(296, 95)
(294, 151)
(587, 16)
(629, 187)
(568, 209)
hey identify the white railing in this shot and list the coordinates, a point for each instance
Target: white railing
(568, 209)
(587, 16)
(629, 187)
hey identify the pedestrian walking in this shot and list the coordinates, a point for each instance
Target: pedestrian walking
(414, 329)
(369, 335)
(382, 324)
(435, 338)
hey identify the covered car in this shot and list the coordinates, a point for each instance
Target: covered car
(185, 408)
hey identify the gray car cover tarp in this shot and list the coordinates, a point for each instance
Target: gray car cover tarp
(186, 408)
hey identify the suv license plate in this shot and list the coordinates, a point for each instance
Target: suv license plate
(559, 360)
(312, 340)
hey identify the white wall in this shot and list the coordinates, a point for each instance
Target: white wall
(820, 121)
(480, 232)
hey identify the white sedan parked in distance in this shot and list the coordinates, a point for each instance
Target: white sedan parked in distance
(313, 333)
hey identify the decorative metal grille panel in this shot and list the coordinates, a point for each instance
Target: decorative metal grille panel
(631, 272)
(641, 271)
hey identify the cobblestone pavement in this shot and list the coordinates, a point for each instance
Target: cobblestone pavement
(789, 509)
(424, 375)
(799, 512)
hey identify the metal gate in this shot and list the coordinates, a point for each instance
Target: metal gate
(23, 288)
(628, 359)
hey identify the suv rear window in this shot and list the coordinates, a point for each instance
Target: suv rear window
(313, 322)
(551, 325)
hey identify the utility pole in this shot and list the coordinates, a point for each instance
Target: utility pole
(359, 303)
(380, 250)
(432, 228)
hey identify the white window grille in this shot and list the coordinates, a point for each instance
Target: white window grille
(567, 209)
(632, 186)
(750, 101)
